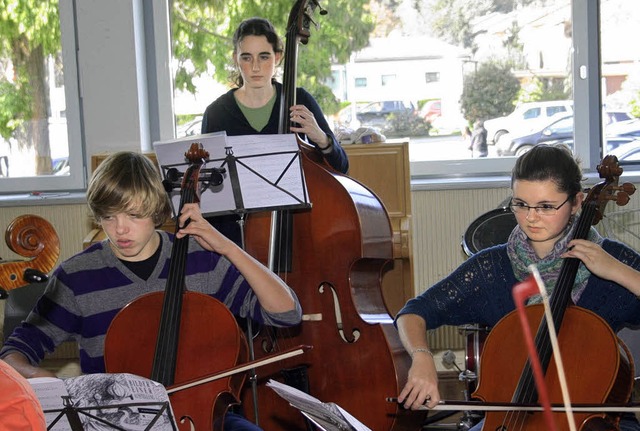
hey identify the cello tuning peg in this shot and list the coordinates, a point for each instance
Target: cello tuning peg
(629, 188)
(34, 276)
(169, 186)
(217, 176)
(174, 175)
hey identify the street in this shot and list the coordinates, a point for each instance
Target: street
(450, 147)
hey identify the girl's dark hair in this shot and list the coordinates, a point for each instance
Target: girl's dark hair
(254, 27)
(550, 162)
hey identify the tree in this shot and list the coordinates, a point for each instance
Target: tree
(489, 92)
(29, 33)
(202, 32)
(451, 20)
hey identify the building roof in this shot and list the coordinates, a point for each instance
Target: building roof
(394, 48)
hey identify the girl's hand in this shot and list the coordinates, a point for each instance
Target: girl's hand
(597, 261)
(308, 125)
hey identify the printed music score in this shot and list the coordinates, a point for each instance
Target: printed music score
(114, 400)
(327, 416)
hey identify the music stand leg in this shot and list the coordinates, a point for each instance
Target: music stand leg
(253, 378)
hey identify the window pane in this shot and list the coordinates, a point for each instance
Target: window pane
(34, 135)
(620, 79)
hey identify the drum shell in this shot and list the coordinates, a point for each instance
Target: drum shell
(491, 228)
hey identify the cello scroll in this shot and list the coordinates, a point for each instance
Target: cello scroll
(33, 237)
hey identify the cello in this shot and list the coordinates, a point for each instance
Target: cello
(606, 378)
(33, 237)
(183, 351)
(333, 256)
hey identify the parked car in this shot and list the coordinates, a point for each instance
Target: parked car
(377, 113)
(190, 128)
(525, 117)
(627, 153)
(630, 128)
(611, 142)
(611, 117)
(559, 128)
(431, 110)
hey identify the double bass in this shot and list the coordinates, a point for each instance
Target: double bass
(183, 351)
(599, 366)
(333, 256)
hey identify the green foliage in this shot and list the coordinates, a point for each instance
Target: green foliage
(202, 33)
(29, 31)
(406, 124)
(14, 106)
(490, 92)
(635, 105)
(541, 89)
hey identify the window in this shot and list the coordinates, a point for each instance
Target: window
(570, 24)
(387, 80)
(43, 153)
(531, 113)
(361, 82)
(430, 77)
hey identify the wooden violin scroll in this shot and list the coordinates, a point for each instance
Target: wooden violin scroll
(33, 237)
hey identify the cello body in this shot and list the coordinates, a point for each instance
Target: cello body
(130, 348)
(598, 367)
(177, 336)
(342, 246)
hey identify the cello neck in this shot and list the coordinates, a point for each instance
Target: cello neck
(166, 353)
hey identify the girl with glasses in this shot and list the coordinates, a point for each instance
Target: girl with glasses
(547, 197)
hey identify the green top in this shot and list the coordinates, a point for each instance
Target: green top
(258, 117)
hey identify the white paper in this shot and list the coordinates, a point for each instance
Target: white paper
(327, 416)
(268, 166)
(50, 392)
(121, 391)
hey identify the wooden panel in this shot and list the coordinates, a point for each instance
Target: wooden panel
(384, 169)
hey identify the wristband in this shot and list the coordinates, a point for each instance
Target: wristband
(422, 350)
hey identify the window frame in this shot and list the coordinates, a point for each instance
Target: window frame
(76, 180)
(588, 134)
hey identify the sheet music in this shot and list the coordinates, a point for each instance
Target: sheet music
(269, 171)
(328, 416)
(50, 391)
(120, 391)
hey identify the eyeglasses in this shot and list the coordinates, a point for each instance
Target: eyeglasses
(546, 209)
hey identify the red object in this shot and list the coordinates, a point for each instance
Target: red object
(521, 292)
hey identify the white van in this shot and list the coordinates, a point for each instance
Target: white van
(526, 116)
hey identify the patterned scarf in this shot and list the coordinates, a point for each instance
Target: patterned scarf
(521, 255)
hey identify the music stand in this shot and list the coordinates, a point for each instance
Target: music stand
(73, 413)
(254, 172)
(119, 401)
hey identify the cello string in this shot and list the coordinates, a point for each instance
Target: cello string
(556, 350)
(526, 391)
